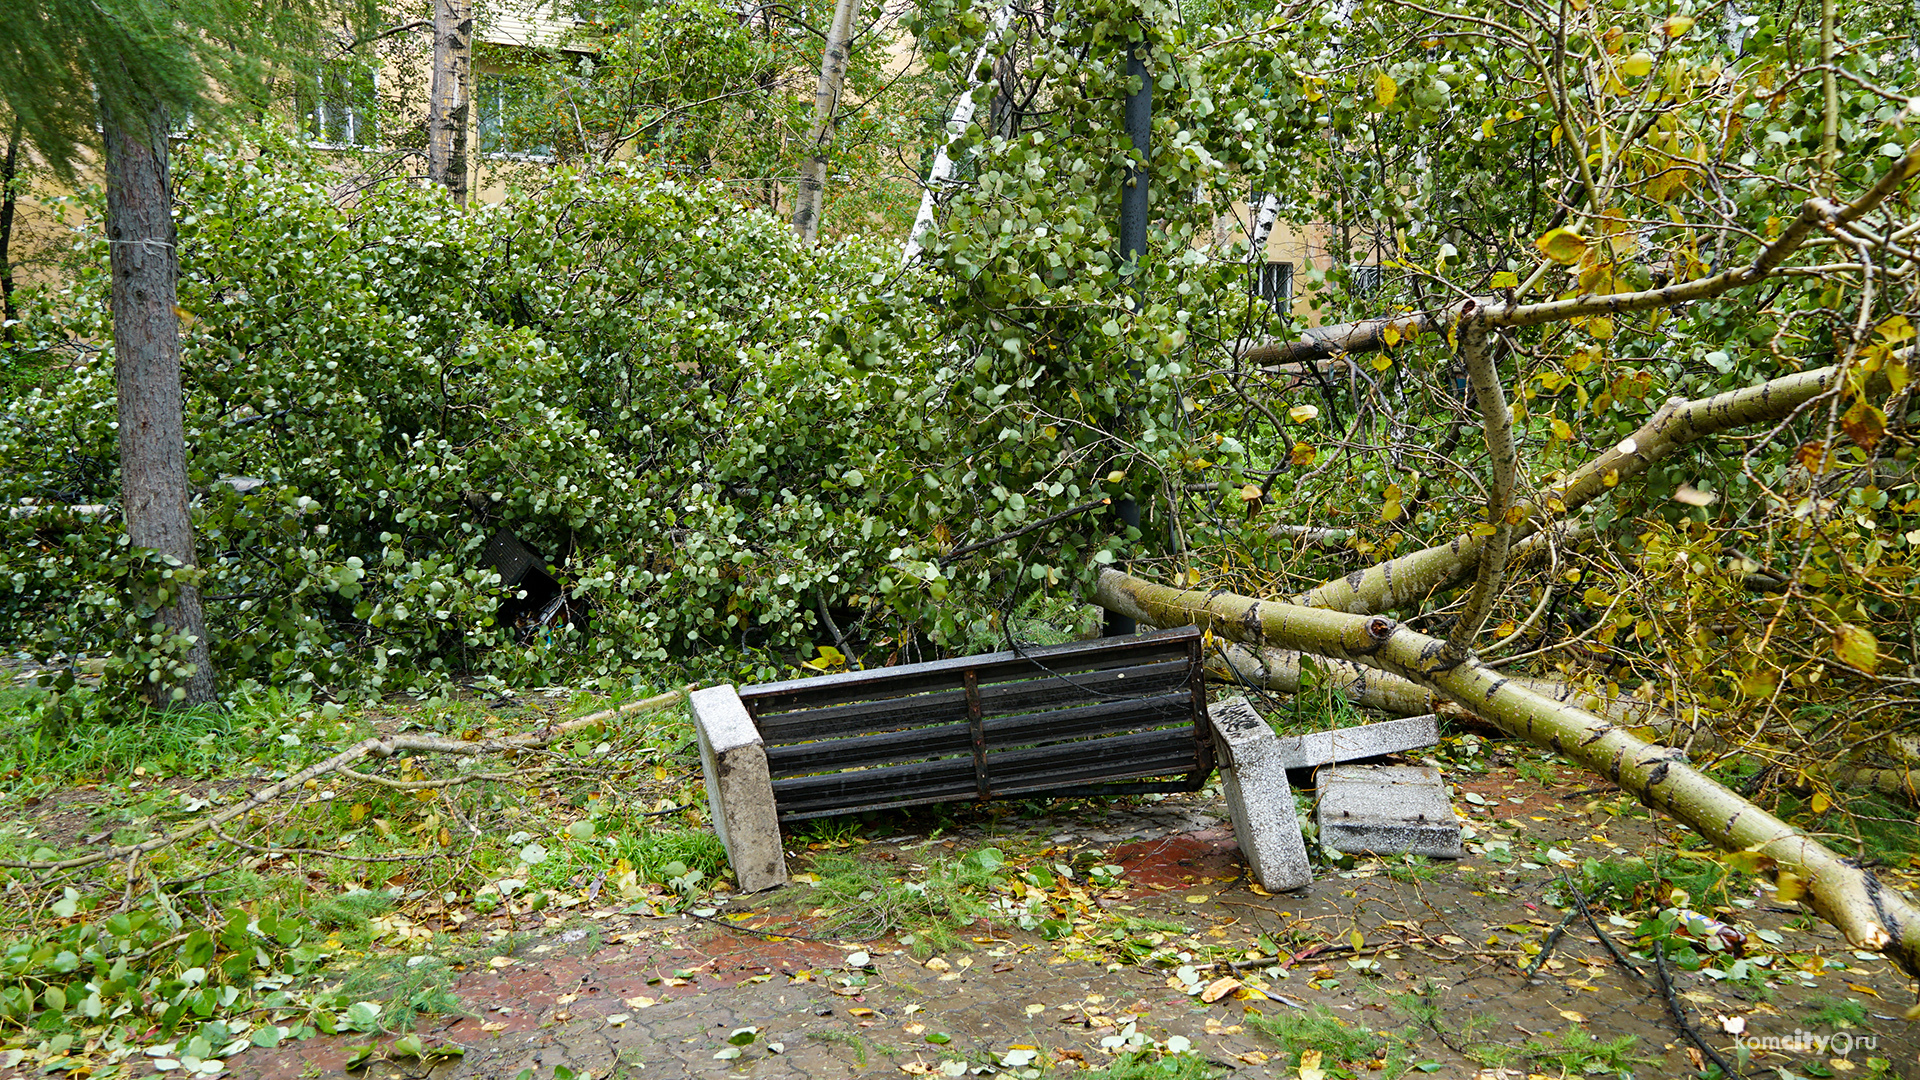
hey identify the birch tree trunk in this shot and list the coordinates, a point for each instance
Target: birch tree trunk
(943, 168)
(1871, 915)
(146, 369)
(450, 99)
(9, 199)
(811, 193)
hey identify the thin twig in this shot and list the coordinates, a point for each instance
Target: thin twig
(1679, 1014)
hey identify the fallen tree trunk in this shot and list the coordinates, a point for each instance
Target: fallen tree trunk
(1413, 576)
(1871, 915)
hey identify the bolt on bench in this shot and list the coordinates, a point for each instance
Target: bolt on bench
(1082, 719)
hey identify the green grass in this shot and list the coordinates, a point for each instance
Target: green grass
(874, 899)
(1148, 1066)
(1837, 1012)
(1576, 1053)
(1318, 1029)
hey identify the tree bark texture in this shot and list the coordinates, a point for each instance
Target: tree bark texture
(146, 367)
(1871, 915)
(450, 98)
(810, 197)
(1504, 462)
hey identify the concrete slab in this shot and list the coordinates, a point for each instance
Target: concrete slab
(1259, 797)
(739, 788)
(1359, 742)
(1387, 810)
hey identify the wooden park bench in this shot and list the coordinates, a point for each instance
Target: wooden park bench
(1116, 716)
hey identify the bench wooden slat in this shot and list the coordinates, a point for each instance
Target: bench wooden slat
(1053, 725)
(950, 706)
(1027, 770)
(767, 699)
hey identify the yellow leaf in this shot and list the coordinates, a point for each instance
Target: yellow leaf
(1790, 887)
(1821, 803)
(1382, 362)
(1390, 505)
(1485, 528)
(1563, 246)
(1611, 478)
(1561, 430)
(1895, 330)
(1554, 138)
(1486, 128)
(1310, 1066)
(1636, 65)
(1384, 89)
(1303, 455)
(1856, 647)
(1356, 939)
(1569, 1014)
(1516, 515)
(1506, 279)
(1251, 493)
(359, 812)
(1300, 414)
(1601, 328)
(1678, 24)
(1390, 335)
(1748, 862)
(1219, 988)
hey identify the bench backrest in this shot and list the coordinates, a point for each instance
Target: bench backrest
(1074, 719)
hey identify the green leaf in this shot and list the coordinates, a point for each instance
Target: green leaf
(743, 1036)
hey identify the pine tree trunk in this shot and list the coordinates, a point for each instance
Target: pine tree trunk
(448, 104)
(146, 368)
(810, 197)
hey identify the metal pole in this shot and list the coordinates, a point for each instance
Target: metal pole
(1133, 240)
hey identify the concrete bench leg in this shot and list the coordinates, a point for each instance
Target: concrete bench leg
(739, 789)
(1253, 771)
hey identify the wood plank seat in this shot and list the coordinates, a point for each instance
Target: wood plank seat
(1086, 718)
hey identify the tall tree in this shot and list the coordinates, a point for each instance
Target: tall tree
(809, 200)
(9, 202)
(451, 94)
(134, 67)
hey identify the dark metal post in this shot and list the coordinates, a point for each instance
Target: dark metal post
(1133, 240)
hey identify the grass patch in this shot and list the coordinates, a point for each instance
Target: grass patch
(873, 899)
(1577, 1053)
(1144, 1065)
(1837, 1012)
(1336, 1040)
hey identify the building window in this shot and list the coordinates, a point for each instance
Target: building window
(506, 108)
(1276, 285)
(1368, 279)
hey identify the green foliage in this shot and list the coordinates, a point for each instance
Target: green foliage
(622, 368)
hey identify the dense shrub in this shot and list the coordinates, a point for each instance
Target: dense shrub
(628, 372)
